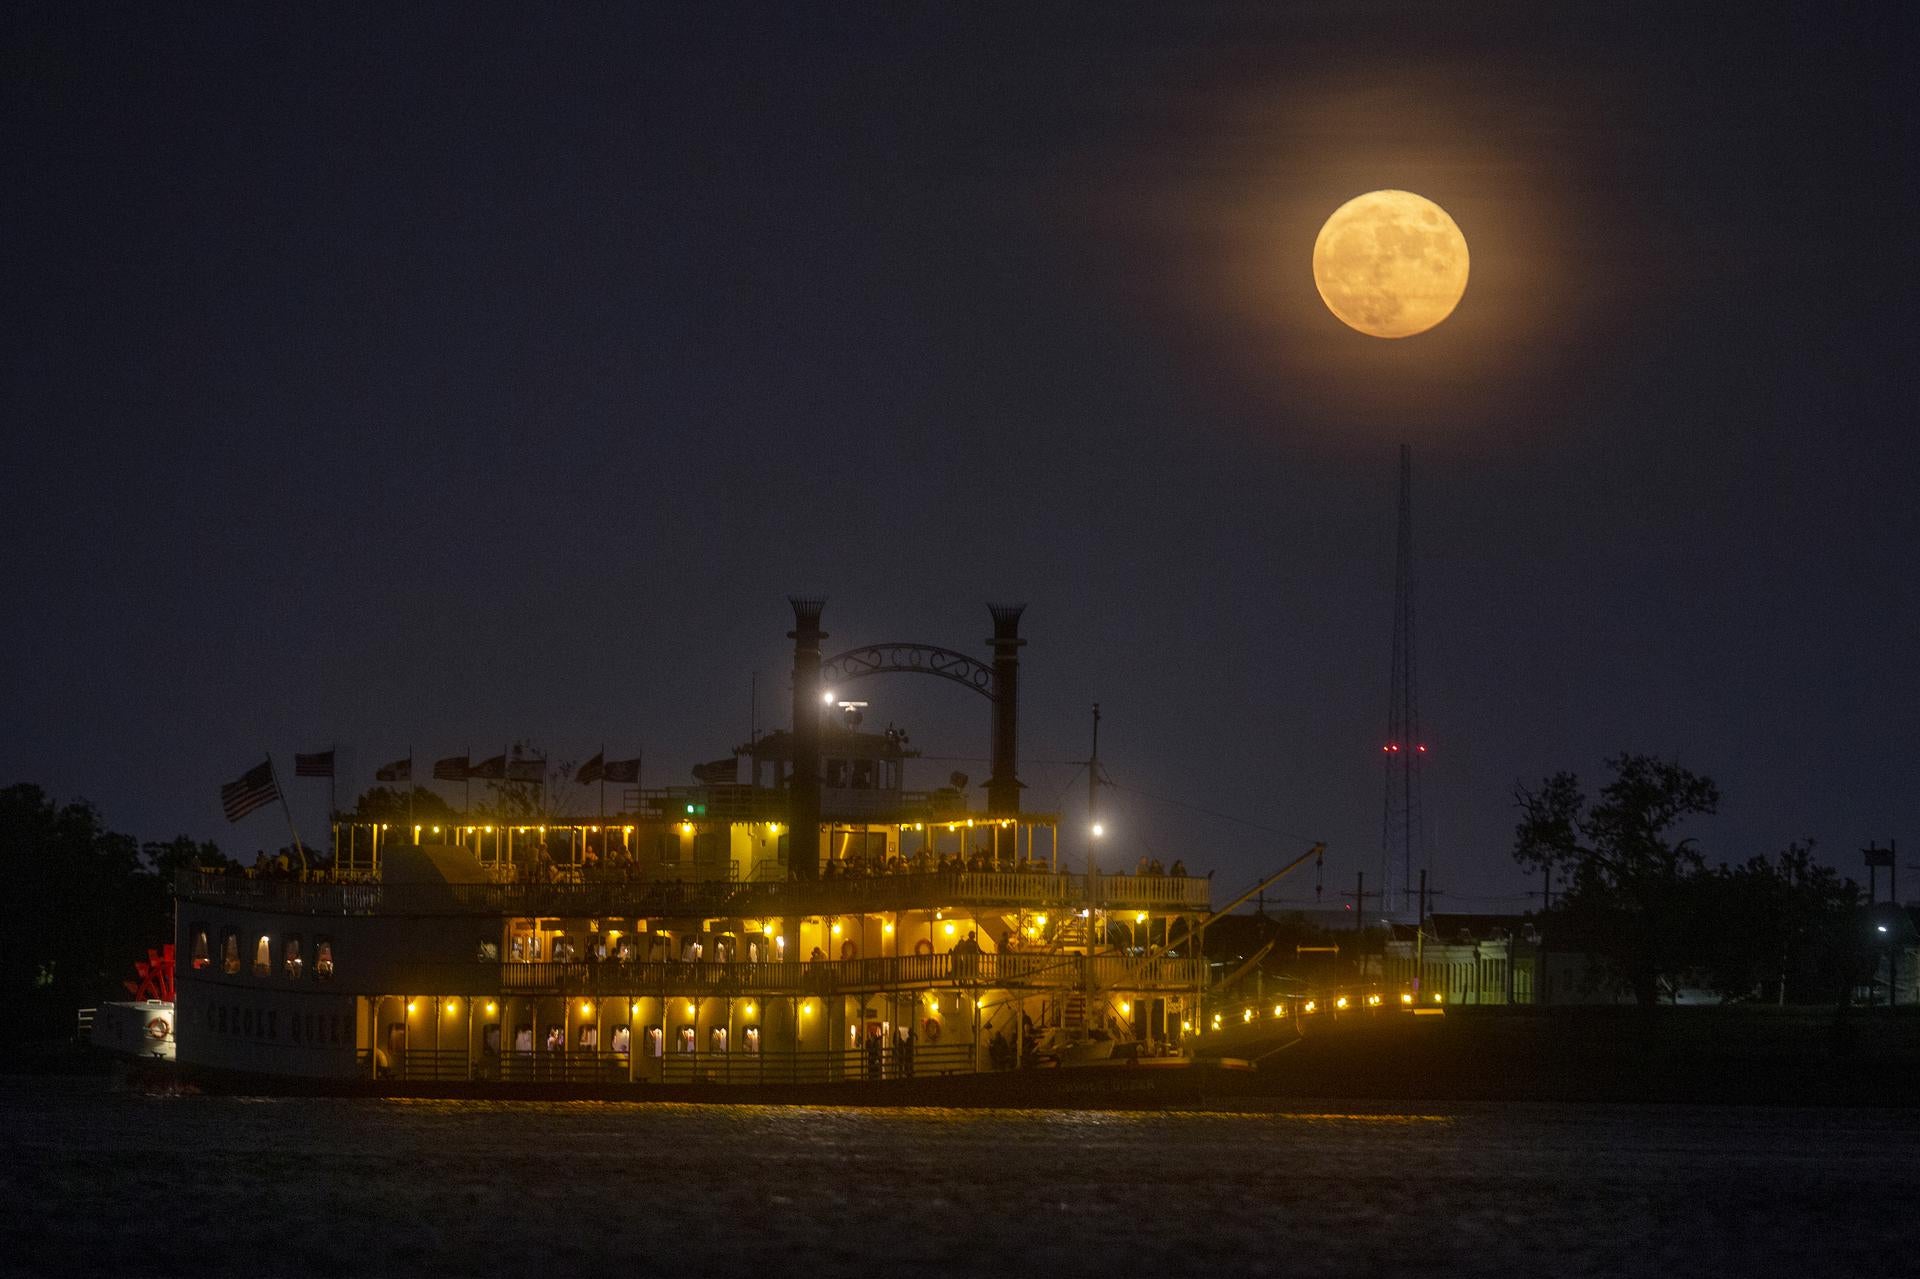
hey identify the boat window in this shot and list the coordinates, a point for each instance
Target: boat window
(556, 1038)
(323, 957)
(490, 1039)
(686, 1039)
(199, 950)
(621, 1041)
(291, 959)
(589, 1038)
(523, 1039)
(262, 956)
(655, 1042)
(751, 1036)
(230, 951)
(717, 1039)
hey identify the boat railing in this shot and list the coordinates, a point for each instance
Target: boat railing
(592, 1066)
(837, 895)
(676, 979)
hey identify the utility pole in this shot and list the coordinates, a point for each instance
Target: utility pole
(1420, 937)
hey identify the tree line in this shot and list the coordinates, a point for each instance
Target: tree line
(1642, 898)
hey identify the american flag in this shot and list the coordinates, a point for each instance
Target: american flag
(527, 770)
(316, 765)
(489, 770)
(452, 769)
(401, 770)
(254, 788)
(591, 771)
(621, 770)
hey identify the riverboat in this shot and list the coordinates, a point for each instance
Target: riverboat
(807, 920)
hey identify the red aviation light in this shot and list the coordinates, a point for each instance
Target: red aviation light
(1393, 748)
(1421, 749)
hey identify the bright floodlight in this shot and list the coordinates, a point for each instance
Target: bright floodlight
(1881, 927)
(826, 699)
(1099, 830)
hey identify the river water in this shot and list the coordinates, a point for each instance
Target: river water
(97, 1180)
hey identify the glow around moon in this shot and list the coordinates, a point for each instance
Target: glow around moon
(1390, 264)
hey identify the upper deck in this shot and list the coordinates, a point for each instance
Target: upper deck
(938, 890)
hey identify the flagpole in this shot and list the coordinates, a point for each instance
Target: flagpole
(409, 786)
(603, 795)
(281, 791)
(333, 802)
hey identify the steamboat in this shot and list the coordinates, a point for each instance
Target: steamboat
(804, 925)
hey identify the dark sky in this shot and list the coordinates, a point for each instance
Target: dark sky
(449, 376)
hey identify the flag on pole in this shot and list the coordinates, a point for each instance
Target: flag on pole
(401, 770)
(717, 772)
(487, 770)
(527, 770)
(254, 789)
(592, 771)
(621, 770)
(453, 768)
(319, 764)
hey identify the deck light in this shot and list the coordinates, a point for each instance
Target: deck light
(1140, 918)
(949, 930)
(807, 1007)
(1098, 830)
(691, 1010)
(686, 827)
(826, 698)
(1373, 1001)
(436, 830)
(1406, 998)
(1216, 1021)
(1185, 1027)
(933, 1004)
(836, 930)
(1439, 998)
(1279, 1010)
(412, 1005)
(1310, 1007)
(633, 1009)
(749, 1008)
(887, 928)
(1247, 1015)
(586, 1008)
(1340, 1002)
(489, 830)
(492, 1008)
(453, 1006)
(1126, 1009)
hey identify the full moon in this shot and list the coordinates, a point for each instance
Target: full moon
(1390, 264)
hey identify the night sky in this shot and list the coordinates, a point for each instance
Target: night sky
(448, 376)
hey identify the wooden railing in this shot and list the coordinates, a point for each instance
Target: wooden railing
(453, 1065)
(609, 979)
(635, 898)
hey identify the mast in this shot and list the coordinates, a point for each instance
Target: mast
(1402, 824)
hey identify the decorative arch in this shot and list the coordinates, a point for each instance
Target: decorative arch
(916, 659)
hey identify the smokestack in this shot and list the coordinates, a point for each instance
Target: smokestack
(803, 795)
(1003, 788)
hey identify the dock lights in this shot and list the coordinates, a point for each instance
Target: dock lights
(1279, 1010)
(489, 830)
(1310, 1007)
(436, 830)
(1439, 998)
(1340, 1002)
(1216, 1021)
(1247, 1015)
(1405, 997)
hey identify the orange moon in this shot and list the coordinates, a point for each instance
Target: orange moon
(1390, 264)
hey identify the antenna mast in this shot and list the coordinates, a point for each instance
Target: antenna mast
(1402, 831)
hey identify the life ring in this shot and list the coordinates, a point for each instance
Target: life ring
(158, 1028)
(931, 1030)
(849, 949)
(923, 947)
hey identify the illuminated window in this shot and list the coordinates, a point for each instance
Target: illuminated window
(292, 961)
(323, 958)
(262, 956)
(655, 1043)
(230, 952)
(198, 949)
(589, 1038)
(751, 1038)
(717, 1039)
(686, 1039)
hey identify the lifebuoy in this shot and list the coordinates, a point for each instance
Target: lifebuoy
(931, 1030)
(158, 1028)
(849, 949)
(923, 947)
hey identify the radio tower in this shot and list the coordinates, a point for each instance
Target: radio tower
(1402, 834)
